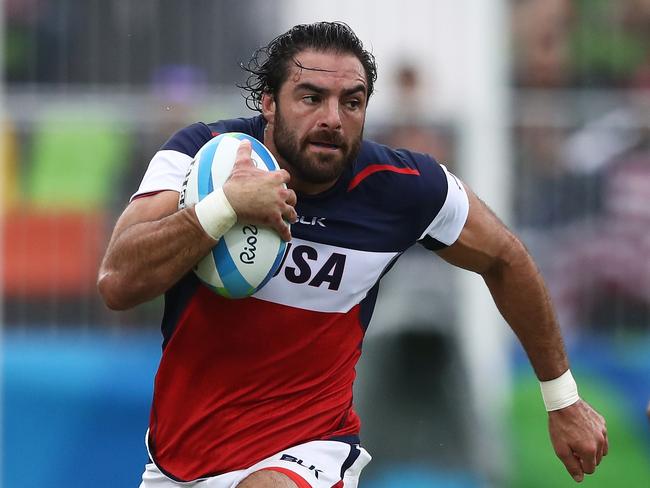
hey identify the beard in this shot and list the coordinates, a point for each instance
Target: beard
(310, 167)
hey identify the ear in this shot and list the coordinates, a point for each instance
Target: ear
(268, 107)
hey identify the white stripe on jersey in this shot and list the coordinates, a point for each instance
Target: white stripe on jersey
(324, 278)
(168, 168)
(166, 171)
(449, 222)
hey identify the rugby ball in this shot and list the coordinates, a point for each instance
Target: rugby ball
(247, 256)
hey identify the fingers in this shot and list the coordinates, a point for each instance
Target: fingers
(260, 196)
(284, 175)
(290, 197)
(244, 152)
(572, 464)
(289, 214)
(601, 440)
(603, 446)
(588, 456)
(283, 230)
(579, 436)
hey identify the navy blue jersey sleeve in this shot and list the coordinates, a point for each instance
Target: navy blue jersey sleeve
(168, 167)
(429, 191)
(424, 199)
(440, 201)
(189, 139)
(253, 126)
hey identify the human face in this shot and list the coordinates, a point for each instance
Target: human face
(315, 124)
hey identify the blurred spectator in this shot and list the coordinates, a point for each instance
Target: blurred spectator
(596, 178)
(407, 106)
(176, 90)
(585, 43)
(599, 272)
(599, 268)
(546, 194)
(433, 139)
(609, 41)
(9, 185)
(29, 40)
(410, 125)
(542, 49)
(62, 42)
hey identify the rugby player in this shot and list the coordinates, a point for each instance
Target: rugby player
(258, 392)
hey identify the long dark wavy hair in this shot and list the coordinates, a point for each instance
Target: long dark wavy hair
(268, 68)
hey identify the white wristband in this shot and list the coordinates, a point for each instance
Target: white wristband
(215, 214)
(560, 392)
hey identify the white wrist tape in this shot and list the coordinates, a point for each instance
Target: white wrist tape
(560, 392)
(215, 214)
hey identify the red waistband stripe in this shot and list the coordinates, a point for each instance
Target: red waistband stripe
(296, 478)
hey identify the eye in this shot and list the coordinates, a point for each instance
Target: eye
(311, 99)
(353, 104)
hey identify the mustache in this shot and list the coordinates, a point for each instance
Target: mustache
(328, 137)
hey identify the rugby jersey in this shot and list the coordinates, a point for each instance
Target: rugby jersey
(240, 380)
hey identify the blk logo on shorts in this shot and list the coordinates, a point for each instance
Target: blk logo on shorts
(287, 457)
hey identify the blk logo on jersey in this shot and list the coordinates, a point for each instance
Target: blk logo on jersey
(305, 267)
(319, 221)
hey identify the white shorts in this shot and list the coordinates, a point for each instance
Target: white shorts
(315, 464)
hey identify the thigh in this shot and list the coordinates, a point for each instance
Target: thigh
(316, 464)
(154, 478)
(267, 478)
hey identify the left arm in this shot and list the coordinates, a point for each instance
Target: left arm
(488, 248)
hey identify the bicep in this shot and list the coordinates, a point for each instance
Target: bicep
(146, 209)
(483, 241)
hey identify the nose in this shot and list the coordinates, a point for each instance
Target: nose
(331, 116)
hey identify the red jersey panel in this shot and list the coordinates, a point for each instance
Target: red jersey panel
(231, 388)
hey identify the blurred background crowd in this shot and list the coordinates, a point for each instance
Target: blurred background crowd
(93, 87)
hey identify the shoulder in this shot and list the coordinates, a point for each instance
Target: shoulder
(168, 167)
(414, 185)
(190, 139)
(382, 168)
(253, 126)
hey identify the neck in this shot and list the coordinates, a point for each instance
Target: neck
(303, 187)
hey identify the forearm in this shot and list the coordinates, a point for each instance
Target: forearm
(522, 298)
(147, 258)
(488, 248)
(578, 433)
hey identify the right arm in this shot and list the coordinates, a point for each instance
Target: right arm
(154, 244)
